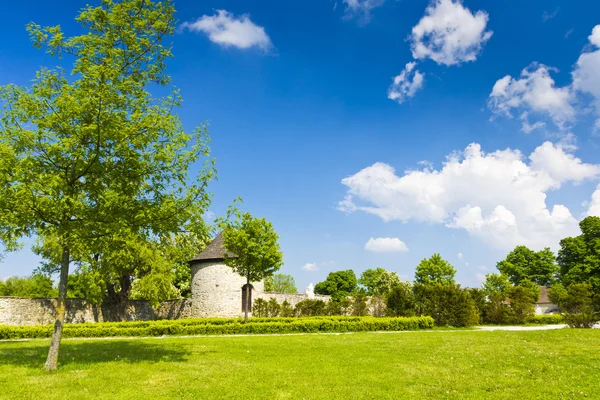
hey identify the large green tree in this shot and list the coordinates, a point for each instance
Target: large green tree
(89, 158)
(338, 285)
(378, 281)
(579, 257)
(525, 264)
(434, 270)
(252, 251)
(280, 283)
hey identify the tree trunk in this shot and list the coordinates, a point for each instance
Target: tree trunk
(247, 301)
(52, 360)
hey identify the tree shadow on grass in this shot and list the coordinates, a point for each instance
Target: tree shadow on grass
(33, 355)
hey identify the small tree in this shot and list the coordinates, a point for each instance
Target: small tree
(522, 304)
(434, 270)
(252, 251)
(286, 309)
(280, 283)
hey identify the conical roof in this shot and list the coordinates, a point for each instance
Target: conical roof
(214, 251)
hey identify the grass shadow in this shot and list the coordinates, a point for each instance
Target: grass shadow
(33, 355)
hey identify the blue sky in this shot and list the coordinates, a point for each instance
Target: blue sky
(488, 138)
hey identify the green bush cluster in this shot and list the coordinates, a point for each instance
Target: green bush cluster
(216, 326)
(547, 319)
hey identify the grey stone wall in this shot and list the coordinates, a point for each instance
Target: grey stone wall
(22, 311)
(293, 299)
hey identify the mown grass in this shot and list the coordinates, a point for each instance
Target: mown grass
(412, 365)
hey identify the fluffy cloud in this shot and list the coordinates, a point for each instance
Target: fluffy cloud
(310, 267)
(499, 197)
(406, 84)
(594, 205)
(229, 31)
(449, 33)
(361, 8)
(386, 245)
(535, 90)
(586, 75)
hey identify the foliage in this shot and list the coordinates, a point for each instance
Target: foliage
(280, 283)
(338, 307)
(259, 308)
(434, 270)
(338, 285)
(449, 305)
(359, 305)
(579, 257)
(522, 304)
(378, 281)
(90, 160)
(525, 264)
(400, 301)
(217, 326)
(86, 284)
(310, 308)
(286, 310)
(578, 304)
(252, 249)
(36, 286)
(546, 319)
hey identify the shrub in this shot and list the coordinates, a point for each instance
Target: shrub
(310, 308)
(259, 308)
(546, 319)
(339, 307)
(449, 305)
(578, 306)
(286, 309)
(215, 326)
(359, 305)
(400, 301)
(522, 304)
(273, 308)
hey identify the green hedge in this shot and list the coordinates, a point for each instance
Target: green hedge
(216, 326)
(547, 319)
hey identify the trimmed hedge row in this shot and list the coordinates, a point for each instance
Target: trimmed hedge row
(548, 319)
(214, 326)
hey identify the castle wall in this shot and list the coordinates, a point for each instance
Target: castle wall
(24, 311)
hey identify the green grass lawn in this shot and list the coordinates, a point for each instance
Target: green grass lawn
(456, 364)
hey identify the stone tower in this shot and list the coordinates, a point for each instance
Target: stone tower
(216, 289)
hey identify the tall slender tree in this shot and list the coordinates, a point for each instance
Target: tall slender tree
(90, 158)
(252, 251)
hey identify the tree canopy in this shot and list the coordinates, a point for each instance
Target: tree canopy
(523, 263)
(378, 281)
(338, 285)
(280, 283)
(579, 257)
(434, 270)
(36, 286)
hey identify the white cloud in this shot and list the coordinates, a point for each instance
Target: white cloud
(311, 267)
(449, 33)
(498, 197)
(405, 87)
(227, 30)
(586, 75)
(546, 16)
(534, 91)
(361, 8)
(460, 256)
(386, 245)
(594, 205)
